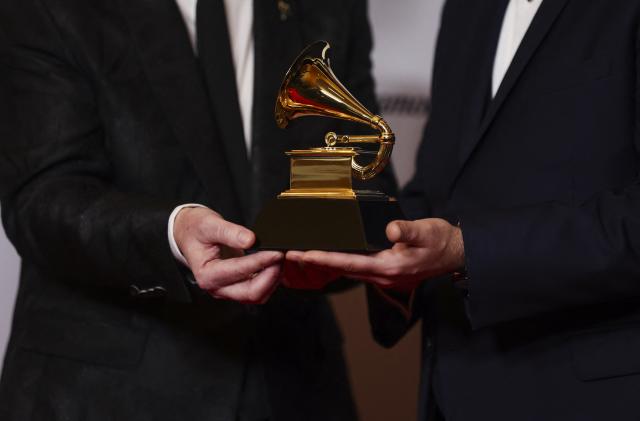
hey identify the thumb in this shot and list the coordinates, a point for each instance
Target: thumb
(404, 232)
(220, 231)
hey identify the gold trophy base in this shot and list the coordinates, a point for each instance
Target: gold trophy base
(321, 211)
(327, 224)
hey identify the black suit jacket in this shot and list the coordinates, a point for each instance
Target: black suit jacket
(544, 182)
(109, 125)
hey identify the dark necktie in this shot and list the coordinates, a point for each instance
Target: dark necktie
(214, 54)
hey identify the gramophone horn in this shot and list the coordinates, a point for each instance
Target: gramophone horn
(311, 89)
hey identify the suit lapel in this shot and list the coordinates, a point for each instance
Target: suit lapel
(485, 32)
(480, 33)
(171, 68)
(542, 23)
(214, 50)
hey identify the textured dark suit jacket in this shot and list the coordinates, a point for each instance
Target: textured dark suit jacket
(544, 181)
(109, 125)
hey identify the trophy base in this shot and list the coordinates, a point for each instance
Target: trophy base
(305, 223)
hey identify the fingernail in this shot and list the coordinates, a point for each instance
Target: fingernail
(245, 237)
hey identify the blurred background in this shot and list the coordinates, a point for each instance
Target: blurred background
(385, 382)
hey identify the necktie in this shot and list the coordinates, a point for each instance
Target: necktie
(214, 53)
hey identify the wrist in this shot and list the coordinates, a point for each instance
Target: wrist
(459, 275)
(457, 251)
(174, 229)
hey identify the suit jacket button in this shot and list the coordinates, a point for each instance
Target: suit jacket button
(136, 291)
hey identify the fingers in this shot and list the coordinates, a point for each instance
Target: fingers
(375, 280)
(214, 250)
(255, 290)
(220, 273)
(295, 256)
(345, 263)
(219, 231)
(202, 235)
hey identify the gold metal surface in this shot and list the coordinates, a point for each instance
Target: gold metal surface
(321, 173)
(322, 152)
(331, 139)
(347, 194)
(310, 88)
(318, 173)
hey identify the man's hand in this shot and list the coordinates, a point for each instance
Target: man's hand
(214, 249)
(422, 249)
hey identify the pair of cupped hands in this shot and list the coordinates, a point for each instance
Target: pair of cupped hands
(215, 250)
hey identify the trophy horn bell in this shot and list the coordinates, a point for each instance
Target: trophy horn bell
(310, 88)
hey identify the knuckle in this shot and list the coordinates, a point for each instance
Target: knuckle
(217, 228)
(405, 227)
(242, 273)
(410, 235)
(429, 230)
(350, 267)
(206, 223)
(223, 233)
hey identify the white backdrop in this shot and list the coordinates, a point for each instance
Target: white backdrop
(9, 269)
(404, 34)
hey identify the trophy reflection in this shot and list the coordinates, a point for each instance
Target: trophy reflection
(321, 210)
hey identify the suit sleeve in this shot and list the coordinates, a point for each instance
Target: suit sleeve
(554, 256)
(59, 205)
(547, 258)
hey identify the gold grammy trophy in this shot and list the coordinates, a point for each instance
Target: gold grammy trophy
(321, 210)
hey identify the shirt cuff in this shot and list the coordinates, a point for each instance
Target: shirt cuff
(175, 250)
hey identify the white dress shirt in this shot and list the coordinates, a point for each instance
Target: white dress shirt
(517, 19)
(239, 15)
